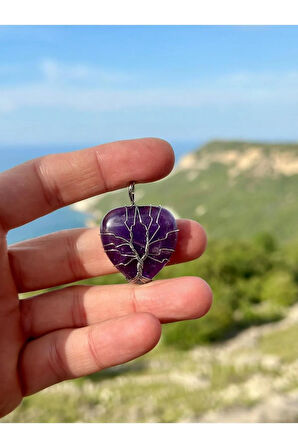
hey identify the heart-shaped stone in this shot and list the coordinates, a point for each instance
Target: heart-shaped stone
(139, 240)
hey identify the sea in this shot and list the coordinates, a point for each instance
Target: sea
(67, 217)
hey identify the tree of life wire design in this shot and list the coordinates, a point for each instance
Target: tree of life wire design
(134, 255)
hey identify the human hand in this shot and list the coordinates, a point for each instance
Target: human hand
(78, 330)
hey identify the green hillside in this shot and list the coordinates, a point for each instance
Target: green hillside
(235, 189)
(239, 362)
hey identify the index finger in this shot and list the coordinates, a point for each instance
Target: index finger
(45, 184)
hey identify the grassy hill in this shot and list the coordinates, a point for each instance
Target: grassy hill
(235, 189)
(238, 363)
(251, 378)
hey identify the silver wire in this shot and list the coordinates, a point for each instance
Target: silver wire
(131, 193)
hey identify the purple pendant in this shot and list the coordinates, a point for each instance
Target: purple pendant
(139, 240)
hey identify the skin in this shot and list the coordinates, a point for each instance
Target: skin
(79, 330)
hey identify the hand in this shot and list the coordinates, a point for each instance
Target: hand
(78, 330)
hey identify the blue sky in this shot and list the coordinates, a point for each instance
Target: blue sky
(88, 85)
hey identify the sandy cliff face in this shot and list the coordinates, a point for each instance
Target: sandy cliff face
(253, 160)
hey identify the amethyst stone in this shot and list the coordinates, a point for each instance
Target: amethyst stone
(139, 240)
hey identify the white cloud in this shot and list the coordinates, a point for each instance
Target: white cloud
(54, 71)
(232, 90)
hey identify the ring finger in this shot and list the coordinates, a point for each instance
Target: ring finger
(72, 255)
(78, 306)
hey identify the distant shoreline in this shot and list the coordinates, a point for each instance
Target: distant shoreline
(87, 207)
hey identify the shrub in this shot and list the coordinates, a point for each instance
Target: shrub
(253, 283)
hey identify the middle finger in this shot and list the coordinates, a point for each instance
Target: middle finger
(72, 255)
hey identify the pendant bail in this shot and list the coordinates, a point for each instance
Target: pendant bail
(131, 193)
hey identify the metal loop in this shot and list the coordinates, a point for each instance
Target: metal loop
(131, 193)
